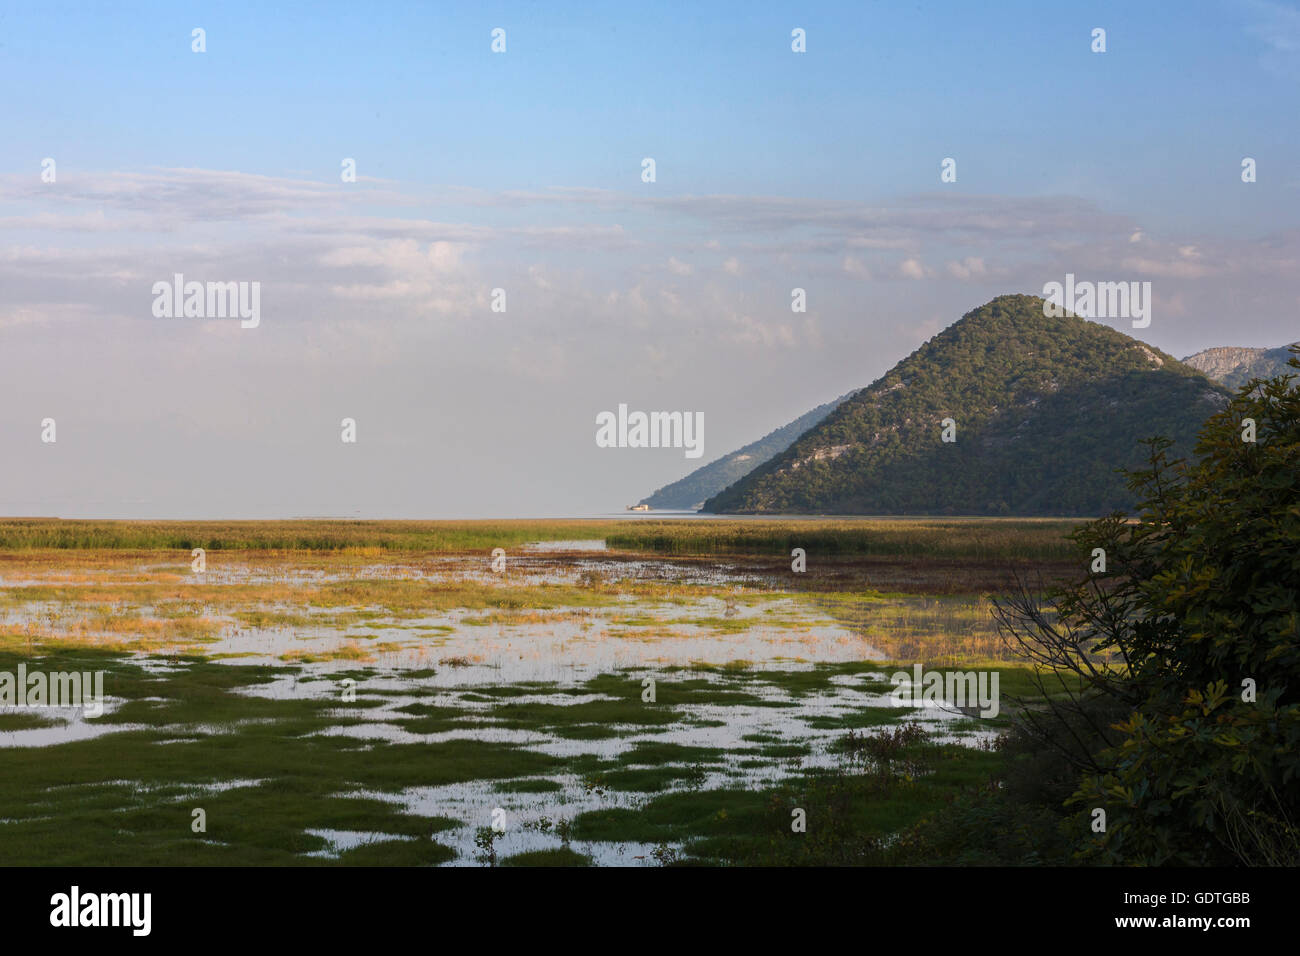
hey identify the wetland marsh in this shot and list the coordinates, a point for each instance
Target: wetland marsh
(378, 693)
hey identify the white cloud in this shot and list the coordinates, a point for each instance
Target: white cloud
(971, 266)
(1166, 267)
(856, 268)
(747, 330)
(912, 269)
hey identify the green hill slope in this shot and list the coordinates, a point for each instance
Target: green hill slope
(1046, 409)
(689, 492)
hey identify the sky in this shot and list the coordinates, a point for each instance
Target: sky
(522, 171)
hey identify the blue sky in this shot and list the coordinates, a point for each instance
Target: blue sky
(522, 170)
(1011, 89)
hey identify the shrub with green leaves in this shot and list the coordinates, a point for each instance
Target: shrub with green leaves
(1201, 604)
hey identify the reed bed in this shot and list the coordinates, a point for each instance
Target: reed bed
(973, 538)
(969, 538)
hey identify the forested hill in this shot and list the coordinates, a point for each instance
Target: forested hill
(690, 492)
(1045, 411)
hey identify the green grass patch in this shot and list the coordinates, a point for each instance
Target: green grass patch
(560, 856)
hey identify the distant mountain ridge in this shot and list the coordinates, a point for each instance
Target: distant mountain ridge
(689, 493)
(1046, 409)
(1234, 367)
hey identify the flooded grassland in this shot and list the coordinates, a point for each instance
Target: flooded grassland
(566, 704)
